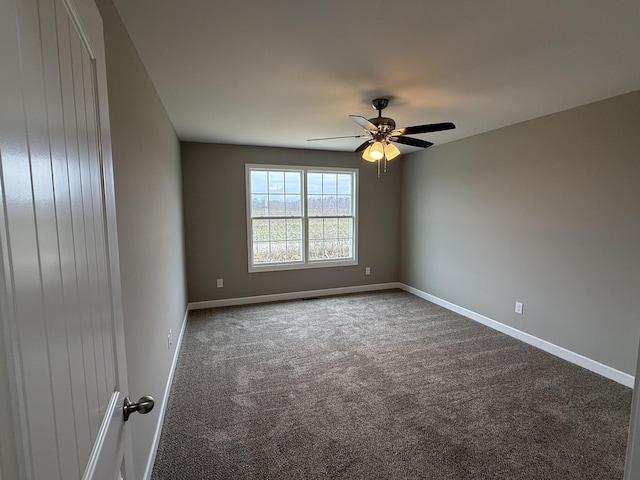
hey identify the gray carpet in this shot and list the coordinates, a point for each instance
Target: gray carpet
(381, 385)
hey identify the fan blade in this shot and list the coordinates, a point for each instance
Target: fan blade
(333, 138)
(363, 146)
(414, 142)
(364, 123)
(431, 127)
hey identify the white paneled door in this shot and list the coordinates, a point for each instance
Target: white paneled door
(63, 369)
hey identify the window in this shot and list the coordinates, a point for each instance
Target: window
(301, 217)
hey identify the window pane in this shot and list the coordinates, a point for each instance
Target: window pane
(345, 228)
(330, 248)
(315, 250)
(344, 183)
(330, 228)
(344, 205)
(329, 205)
(278, 251)
(261, 252)
(259, 206)
(314, 205)
(329, 183)
(276, 182)
(292, 182)
(330, 238)
(344, 249)
(293, 207)
(277, 230)
(260, 230)
(258, 182)
(276, 205)
(294, 229)
(294, 251)
(314, 183)
(316, 230)
(277, 240)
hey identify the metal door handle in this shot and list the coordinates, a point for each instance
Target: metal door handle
(142, 406)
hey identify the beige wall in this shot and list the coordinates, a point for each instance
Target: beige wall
(146, 156)
(216, 230)
(546, 212)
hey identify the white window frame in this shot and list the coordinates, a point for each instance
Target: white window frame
(305, 263)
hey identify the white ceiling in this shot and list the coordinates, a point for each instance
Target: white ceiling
(277, 72)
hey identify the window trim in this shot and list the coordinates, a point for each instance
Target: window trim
(305, 263)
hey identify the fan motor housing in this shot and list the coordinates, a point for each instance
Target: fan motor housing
(383, 123)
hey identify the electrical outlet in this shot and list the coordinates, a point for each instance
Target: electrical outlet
(519, 307)
(367, 271)
(220, 283)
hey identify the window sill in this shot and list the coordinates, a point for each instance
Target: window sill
(276, 267)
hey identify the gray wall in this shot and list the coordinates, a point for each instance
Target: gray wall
(146, 157)
(546, 212)
(216, 230)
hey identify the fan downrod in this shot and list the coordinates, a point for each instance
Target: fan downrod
(384, 124)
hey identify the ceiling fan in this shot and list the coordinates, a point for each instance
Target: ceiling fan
(381, 131)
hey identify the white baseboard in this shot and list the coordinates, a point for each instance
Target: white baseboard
(165, 399)
(277, 297)
(594, 366)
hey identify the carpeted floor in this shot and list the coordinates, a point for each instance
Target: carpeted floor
(382, 385)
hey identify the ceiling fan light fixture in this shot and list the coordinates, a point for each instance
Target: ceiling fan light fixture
(377, 151)
(367, 155)
(391, 151)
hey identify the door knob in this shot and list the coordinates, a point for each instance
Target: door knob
(143, 405)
